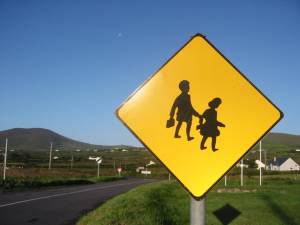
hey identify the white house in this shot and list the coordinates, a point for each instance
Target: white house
(283, 164)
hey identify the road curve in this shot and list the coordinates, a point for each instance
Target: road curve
(59, 206)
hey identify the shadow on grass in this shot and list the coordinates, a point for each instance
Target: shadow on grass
(286, 219)
(226, 214)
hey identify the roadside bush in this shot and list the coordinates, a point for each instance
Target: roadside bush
(12, 183)
(107, 179)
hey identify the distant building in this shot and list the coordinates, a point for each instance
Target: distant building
(242, 165)
(146, 172)
(150, 163)
(283, 164)
(139, 169)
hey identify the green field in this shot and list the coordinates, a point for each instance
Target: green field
(30, 169)
(33, 163)
(166, 203)
(30, 163)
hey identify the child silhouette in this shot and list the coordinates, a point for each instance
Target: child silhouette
(185, 110)
(210, 127)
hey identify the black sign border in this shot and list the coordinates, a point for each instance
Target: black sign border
(141, 86)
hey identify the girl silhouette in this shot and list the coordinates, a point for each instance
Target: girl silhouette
(210, 127)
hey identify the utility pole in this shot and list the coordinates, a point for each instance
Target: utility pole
(50, 157)
(225, 179)
(114, 166)
(5, 157)
(242, 165)
(72, 159)
(98, 174)
(260, 163)
(265, 153)
(146, 170)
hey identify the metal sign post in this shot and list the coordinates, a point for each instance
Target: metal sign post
(119, 171)
(197, 211)
(98, 161)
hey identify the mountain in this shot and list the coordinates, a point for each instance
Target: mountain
(282, 139)
(38, 139)
(280, 142)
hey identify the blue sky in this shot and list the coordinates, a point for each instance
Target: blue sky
(67, 65)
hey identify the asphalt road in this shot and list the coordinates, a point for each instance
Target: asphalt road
(59, 206)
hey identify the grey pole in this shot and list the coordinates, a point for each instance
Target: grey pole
(197, 211)
(72, 159)
(225, 180)
(146, 170)
(260, 163)
(265, 154)
(114, 166)
(50, 157)
(98, 169)
(5, 157)
(242, 165)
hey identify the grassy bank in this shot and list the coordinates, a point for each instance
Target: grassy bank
(166, 203)
(19, 183)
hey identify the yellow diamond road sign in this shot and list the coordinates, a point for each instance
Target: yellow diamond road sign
(199, 115)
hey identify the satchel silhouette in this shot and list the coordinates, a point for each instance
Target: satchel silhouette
(170, 123)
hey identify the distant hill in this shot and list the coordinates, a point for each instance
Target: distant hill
(282, 139)
(280, 142)
(38, 139)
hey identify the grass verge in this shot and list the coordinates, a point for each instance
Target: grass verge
(19, 183)
(166, 203)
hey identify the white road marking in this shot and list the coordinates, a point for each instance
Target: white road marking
(66, 193)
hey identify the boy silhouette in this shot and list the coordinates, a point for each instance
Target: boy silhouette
(185, 110)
